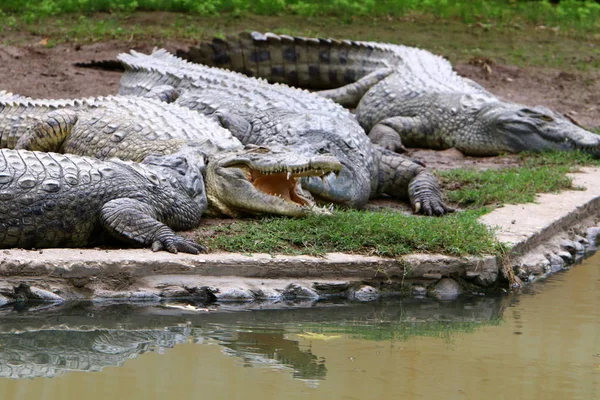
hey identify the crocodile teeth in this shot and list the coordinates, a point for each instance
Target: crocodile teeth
(289, 174)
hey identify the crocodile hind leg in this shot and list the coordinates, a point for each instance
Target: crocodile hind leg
(165, 93)
(395, 132)
(134, 221)
(349, 95)
(49, 133)
(401, 177)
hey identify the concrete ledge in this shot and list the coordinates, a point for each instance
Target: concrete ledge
(141, 274)
(78, 263)
(524, 226)
(538, 228)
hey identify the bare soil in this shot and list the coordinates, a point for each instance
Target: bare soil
(36, 70)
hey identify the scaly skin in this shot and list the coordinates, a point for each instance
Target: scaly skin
(128, 128)
(263, 114)
(54, 200)
(402, 95)
(50, 353)
(132, 128)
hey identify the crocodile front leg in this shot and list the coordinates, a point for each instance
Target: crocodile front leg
(131, 220)
(350, 95)
(49, 133)
(395, 132)
(401, 177)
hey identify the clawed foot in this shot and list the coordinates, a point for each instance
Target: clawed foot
(426, 197)
(429, 207)
(386, 137)
(175, 244)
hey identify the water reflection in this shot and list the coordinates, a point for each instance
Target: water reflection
(542, 344)
(271, 348)
(49, 353)
(51, 341)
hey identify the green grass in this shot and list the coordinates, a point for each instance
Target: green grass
(523, 33)
(538, 173)
(385, 233)
(567, 15)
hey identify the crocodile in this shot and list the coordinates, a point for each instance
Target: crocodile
(241, 179)
(259, 113)
(404, 96)
(54, 200)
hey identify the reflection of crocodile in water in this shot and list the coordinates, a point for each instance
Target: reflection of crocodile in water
(266, 347)
(87, 337)
(49, 353)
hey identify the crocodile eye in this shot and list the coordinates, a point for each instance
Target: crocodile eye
(153, 179)
(536, 113)
(258, 149)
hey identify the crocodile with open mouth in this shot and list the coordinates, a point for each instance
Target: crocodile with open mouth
(277, 115)
(136, 129)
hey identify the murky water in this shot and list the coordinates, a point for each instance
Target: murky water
(544, 344)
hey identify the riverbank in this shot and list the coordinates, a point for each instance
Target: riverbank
(545, 237)
(527, 64)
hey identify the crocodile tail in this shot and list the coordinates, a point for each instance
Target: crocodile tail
(105, 65)
(297, 61)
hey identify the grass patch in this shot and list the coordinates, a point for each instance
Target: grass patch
(538, 173)
(506, 32)
(472, 188)
(383, 233)
(568, 14)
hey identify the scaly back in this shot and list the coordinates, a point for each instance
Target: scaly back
(317, 63)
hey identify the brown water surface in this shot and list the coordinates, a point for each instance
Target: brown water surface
(543, 344)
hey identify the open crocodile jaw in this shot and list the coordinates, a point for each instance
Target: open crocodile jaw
(279, 185)
(284, 185)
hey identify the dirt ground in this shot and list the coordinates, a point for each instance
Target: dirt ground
(38, 71)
